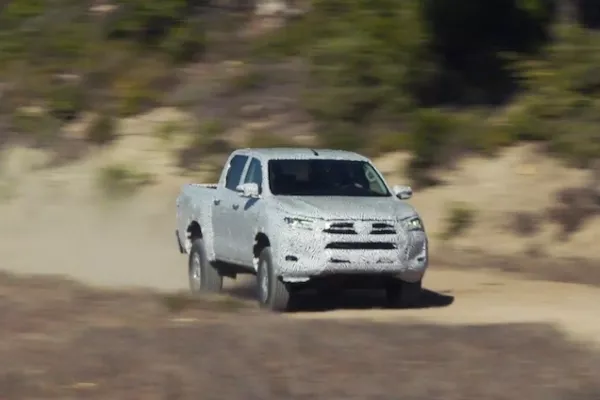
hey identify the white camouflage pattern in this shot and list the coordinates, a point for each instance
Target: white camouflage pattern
(376, 227)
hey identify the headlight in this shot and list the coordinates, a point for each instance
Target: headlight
(413, 224)
(301, 223)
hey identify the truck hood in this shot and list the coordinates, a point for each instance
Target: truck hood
(361, 208)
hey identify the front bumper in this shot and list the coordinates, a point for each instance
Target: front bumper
(307, 254)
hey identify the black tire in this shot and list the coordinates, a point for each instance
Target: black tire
(203, 277)
(273, 294)
(400, 294)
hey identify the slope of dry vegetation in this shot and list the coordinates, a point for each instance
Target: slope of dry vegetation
(67, 341)
(434, 77)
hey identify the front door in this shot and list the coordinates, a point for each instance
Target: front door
(247, 216)
(224, 214)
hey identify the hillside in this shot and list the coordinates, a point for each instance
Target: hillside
(490, 112)
(438, 78)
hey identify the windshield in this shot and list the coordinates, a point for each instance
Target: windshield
(317, 177)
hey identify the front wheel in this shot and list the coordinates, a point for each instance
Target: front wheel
(203, 277)
(273, 293)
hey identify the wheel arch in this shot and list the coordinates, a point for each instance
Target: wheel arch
(193, 232)
(261, 241)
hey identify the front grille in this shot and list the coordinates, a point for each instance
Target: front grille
(383, 228)
(361, 246)
(350, 228)
(341, 228)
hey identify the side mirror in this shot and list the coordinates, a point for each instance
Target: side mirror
(402, 192)
(249, 189)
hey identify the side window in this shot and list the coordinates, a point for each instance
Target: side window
(375, 183)
(234, 173)
(254, 174)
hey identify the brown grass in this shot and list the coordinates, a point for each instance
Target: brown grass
(66, 341)
(575, 206)
(525, 223)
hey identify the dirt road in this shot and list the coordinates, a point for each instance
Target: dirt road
(486, 297)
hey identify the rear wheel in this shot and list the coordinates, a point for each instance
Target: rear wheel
(203, 277)
(273, 293)
(400, 294)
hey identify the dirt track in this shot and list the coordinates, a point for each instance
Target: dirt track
(486, 297)
(133, 245)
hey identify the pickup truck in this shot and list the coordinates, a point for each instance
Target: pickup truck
(300, 218)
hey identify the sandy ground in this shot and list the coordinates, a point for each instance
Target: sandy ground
(56, 226)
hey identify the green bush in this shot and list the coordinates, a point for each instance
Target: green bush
(248, 77)
(341, 135)
(210, 128)
(185, 42)
(139, 87)
(146, 22)
(66, 101)
(167, 130)
(385, 142)
(435, 137)
(102, 130)
(120, 180)
(262, 139)
(460, 217)
(35, 123)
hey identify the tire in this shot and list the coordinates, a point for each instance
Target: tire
(400, 294)
(273, 294)
(203, 277)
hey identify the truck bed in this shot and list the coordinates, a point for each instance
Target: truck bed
(202, 185)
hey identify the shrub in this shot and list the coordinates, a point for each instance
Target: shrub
(460, 217)
(205, 140)
(102, 129)
(210, 128)
(386, 142)
(146, 22)
(574, 207)
(525, 223)
(36, 123)
(434, 135)
(344, 136)
(168, 129)
(185, 42)
(249, 78)
(119, 180)
(262, 139)
(66, 101)
(139, 87)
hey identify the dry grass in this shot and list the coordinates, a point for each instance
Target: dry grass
(66, 341)
(525, 223)
(575, 207)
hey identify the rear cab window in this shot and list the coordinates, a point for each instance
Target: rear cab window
(234, 171)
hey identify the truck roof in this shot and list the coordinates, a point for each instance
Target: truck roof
(302, 153)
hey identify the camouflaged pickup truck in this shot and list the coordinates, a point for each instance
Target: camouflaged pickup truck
(302, 219)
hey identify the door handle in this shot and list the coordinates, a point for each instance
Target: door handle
(235, 206)
(216, 202)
